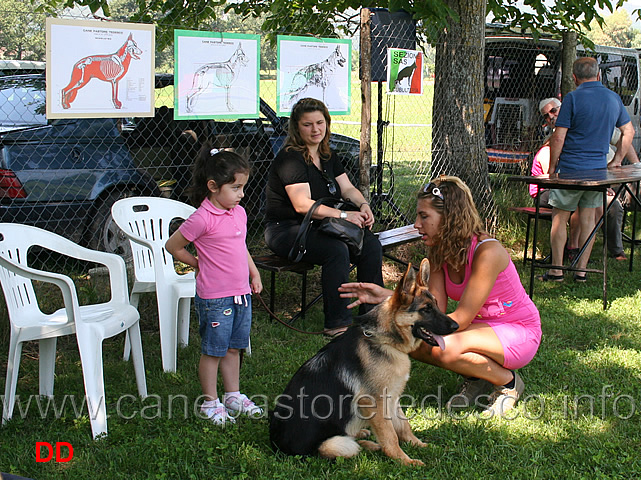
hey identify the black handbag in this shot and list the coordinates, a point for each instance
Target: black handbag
(345, 230)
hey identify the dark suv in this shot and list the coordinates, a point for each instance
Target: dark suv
(62, 175)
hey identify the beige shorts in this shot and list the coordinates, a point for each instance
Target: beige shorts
(569, 200)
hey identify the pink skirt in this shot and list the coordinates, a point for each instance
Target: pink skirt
(519, 334)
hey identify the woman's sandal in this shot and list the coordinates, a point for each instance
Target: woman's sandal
(332, 333)
(547, 277)
(580, 278)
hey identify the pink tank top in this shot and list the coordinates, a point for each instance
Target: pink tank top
(537, 169)
(507, 300)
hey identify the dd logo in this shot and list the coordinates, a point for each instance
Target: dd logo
(49, 447)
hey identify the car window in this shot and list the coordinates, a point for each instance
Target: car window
(22, 103)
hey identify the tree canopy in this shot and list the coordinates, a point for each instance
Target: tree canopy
(335, 15)
(22, 34)
(616, 31)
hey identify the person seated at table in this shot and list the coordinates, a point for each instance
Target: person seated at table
(549, 109)
(499, 325)
(304, 171)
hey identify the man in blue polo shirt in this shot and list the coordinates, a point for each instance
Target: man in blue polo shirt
(580, 141)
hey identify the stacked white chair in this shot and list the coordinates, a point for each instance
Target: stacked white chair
(146, 222)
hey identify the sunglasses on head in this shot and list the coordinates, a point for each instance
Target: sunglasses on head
(552, 111)
(434, 190)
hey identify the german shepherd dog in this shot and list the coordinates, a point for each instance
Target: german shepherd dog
(315, 75)
(108, 68)
(355, 381)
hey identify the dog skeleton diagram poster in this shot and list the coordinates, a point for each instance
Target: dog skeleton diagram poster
(404, 71)
(317, 68)
(216, 75)
(98, 69)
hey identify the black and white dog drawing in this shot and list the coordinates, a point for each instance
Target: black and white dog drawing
(315, 75)
(217, 74)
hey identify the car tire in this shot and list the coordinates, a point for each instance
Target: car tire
(104, 234)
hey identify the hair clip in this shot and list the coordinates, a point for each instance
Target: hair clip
(213, 151)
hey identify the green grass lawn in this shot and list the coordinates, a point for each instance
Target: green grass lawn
(579, 417)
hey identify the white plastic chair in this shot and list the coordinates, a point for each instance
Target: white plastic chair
(146, 222)
(91, 323)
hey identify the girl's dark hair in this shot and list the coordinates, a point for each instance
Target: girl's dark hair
(294, 140)
(221, 167)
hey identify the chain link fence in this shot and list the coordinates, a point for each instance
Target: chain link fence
(65, 174)
(65, 177)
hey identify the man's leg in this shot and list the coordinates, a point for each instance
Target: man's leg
(615, 220)
(558, 237)
(575, 231)
(587, 218)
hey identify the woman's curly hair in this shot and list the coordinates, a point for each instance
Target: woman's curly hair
(460, 220)
(294, 140)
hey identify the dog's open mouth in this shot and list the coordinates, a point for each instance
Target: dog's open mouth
(428, 337)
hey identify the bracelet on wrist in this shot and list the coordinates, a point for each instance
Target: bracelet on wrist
(364, 203)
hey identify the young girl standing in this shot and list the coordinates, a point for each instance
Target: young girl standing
(225, 277)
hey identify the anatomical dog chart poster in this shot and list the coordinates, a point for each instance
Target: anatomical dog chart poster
(404, 71)
(216, 75)
(99, 69)
(317, 68)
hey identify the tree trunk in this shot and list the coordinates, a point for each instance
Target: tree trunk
(567, 61)
(458, 135)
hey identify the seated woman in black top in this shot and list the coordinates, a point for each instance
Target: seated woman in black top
(305, 170)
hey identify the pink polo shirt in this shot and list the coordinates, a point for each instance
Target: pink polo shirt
(219, 237)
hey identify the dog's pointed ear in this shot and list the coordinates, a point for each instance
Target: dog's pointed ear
(424, 273)
(405, 289)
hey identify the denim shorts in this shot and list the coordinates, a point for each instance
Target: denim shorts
(569, 200)
(223, 324)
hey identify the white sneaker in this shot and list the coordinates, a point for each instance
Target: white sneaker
(242, 404)
(504, 399)
(218, 414)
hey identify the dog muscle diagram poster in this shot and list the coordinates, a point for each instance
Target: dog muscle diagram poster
(317, 68)
(99, 69)
(216, 75)
(404, 71)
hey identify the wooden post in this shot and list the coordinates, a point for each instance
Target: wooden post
(365, 156)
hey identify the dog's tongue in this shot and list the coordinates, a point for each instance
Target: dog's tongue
(439, 340)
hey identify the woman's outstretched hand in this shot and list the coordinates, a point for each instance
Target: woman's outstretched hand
(364, 293)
